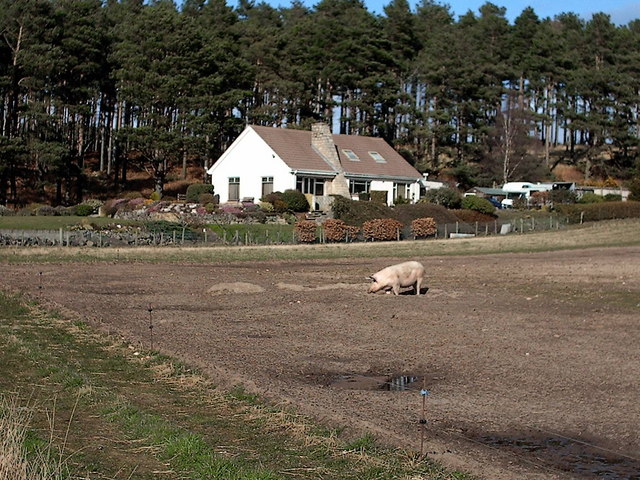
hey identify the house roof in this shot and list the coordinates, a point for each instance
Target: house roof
(489, 191)
(294, 148)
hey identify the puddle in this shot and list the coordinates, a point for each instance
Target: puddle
(399, 384)
(573, 456)
(376, 382)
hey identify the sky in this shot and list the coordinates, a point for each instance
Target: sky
(621, 11)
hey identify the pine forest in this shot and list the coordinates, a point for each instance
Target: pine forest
(93, 90)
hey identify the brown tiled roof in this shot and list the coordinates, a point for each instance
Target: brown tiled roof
(294, 148)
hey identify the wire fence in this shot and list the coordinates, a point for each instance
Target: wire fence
(243, 235)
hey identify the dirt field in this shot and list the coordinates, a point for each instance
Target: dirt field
(531, 360)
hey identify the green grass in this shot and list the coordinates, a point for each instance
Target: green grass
(612, 233)
(19, 222)
(120, 415)
(254, 232)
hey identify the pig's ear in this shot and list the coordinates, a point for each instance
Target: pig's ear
(370, 277)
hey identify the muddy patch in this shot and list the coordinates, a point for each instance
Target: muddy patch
(581, 459)
(396, 383)
(309, 288)
(235, 287)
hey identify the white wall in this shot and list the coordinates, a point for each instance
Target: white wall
(387, 186)
(250, 159)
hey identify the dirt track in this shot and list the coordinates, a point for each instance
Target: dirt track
(531, 360)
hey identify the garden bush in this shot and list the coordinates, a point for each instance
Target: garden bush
(445, 196)
(5, 211)
(354, 212)
(336, 230)
(196, 189)
(562, 197)
(85, 209)
(407, 213)
(295, 200)
(47, 211)
(600, 211)
(479, 204)
(589, 197)
(306, 231)
(276, 199)
(381, 229)
(423, 227)
(634, 189)
(612, 197)
(378, 196)
(472, 216)
(205, 198)
(267, 207)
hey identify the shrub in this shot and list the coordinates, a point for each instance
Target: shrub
(355, 213)
(257, 215)
(378, 196)
(205, 198)
(613, 197)
(209, 207)
(479, 204)
(196, 189)
(589, 197)
(381, 229)
(267, 207)
(423, 227)
(6, 211)
(230, 209)
(272, 197)
(336, 230)
(600, 211)
(84, 209)
(562, 197)
(447, 197)
(634, 189)
(295, 200)
(131, 195)
(47, 211)
(280, 206)
(520, 203)
(407, 213)
(277, 201)
(112, 206)
(306, 231)
(472, 216)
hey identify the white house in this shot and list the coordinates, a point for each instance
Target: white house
(263, 160)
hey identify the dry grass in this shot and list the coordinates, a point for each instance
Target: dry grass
(598, 234)
(17, 462)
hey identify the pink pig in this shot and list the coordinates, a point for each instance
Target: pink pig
(407, 274)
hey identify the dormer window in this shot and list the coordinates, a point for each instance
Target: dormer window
(377, 157)
(351, 155)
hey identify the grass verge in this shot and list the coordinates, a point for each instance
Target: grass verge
(613, 233)
(112, 411)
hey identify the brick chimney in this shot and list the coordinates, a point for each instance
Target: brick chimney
(322, 142)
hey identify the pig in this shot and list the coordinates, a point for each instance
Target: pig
(407, 274)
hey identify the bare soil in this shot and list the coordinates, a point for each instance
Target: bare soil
(531, 360)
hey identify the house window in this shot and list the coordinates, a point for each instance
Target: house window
(267, 186)
(359, 186)
(401, 191)
(234, 189)
(377, 157)
(311, 185)
(351, 155)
